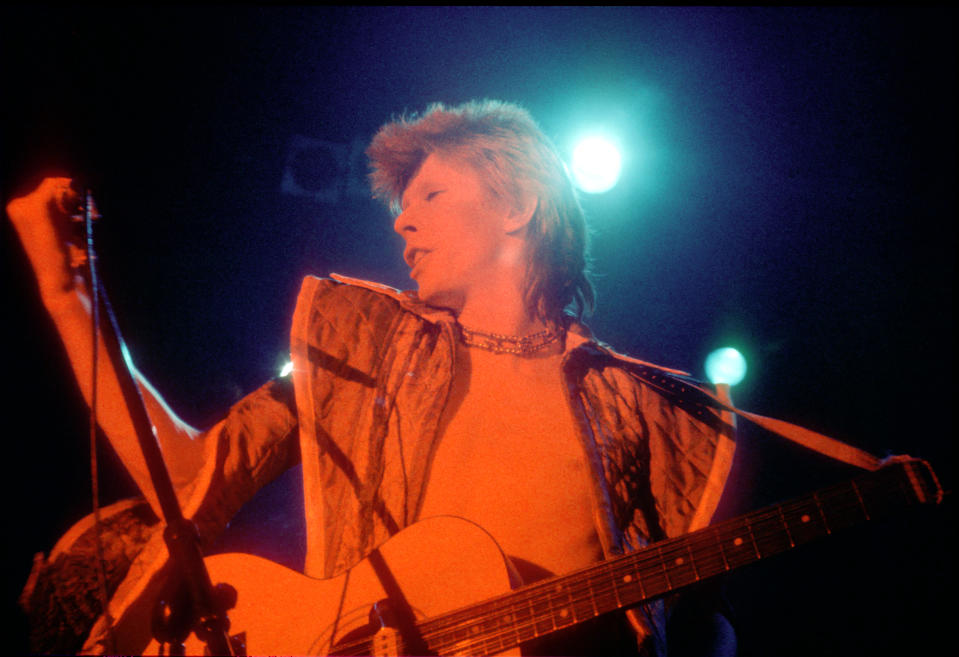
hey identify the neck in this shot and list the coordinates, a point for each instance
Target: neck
(498, 304)
(500, 311)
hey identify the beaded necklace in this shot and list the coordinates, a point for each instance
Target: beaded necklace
(508, 344)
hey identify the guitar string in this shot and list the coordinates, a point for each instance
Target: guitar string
(492, 638)
(510, 636)
(441, 640)
(610, 591)
(453, 629)
(674, 547)
(710, 567)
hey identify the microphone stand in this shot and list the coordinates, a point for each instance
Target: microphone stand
(201, 607)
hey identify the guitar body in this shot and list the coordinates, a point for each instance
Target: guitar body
(440, 564)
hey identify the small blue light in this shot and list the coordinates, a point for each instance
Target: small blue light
(725, 365)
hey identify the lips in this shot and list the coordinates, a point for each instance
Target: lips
(413, 255)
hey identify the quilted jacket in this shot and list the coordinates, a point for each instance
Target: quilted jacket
(372, 371)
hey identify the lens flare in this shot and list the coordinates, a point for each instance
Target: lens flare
(596, 165)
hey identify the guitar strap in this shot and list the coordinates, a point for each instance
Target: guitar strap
(694, 399)
(399, 612)
(691, 397)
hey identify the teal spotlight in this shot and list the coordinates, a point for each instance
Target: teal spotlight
(725, 365)
(596, 164)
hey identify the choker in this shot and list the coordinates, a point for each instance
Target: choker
(508, 344)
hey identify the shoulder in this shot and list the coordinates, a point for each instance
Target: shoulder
(638, 382)
(341, 290)
(349, 311)
(338, 294)
(583, 346)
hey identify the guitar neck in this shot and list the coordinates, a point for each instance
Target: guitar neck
(553, 604)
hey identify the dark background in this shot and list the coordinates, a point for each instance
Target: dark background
(788, 189)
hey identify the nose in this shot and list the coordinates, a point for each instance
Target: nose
(404, 223)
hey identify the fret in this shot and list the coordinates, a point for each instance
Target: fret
(782, 519)
(662, 564)
(752, 537)
(525, 629)
(581, 597)
(591, 589)
(611, 573)
(706, 553)
(531, 615)
(492, 644)
(772, 534)
(803, 521)
(503, 628)
(652, 573)
(462, 638)
(722, 550)
(692, 561)
(737, 544)
(448, 638)
(522, 616)
(628, 583)
(609, 598)
(542, 614)
(843, 507)
(562, 609)
(822, 516)
(677, 564)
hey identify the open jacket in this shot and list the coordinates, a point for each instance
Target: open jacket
(372, 371)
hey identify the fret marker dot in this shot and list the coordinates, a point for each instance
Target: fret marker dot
(805, 518)
(737, 541)
(563, 613)
(679, 561)
(628, 578)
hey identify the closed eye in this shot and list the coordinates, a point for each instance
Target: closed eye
(432, 195)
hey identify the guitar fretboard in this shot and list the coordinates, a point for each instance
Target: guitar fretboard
(533, 611)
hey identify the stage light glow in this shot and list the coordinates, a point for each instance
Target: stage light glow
(596, 164)
(287, 368)
(725, 365)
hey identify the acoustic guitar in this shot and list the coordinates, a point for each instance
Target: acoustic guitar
(442, 585)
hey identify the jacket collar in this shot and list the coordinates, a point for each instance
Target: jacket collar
(578, 335)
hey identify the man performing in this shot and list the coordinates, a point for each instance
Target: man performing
(480, 396)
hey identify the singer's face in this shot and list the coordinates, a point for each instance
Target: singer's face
(454, 230)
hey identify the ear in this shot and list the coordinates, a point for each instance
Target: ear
(521, 213)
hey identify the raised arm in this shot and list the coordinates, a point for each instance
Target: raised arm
(44, 231)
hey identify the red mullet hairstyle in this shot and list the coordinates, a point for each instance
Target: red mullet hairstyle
(502, 142)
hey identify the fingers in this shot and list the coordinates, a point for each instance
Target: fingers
(52, 194)
(41, 219)
(66, 198)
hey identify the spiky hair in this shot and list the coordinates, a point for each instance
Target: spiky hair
(502, 142)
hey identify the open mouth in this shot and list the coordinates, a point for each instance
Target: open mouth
(414, 256)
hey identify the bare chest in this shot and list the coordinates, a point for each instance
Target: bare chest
(510, 460)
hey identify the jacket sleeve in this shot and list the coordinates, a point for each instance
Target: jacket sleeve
(249, 448)
(256, 442)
